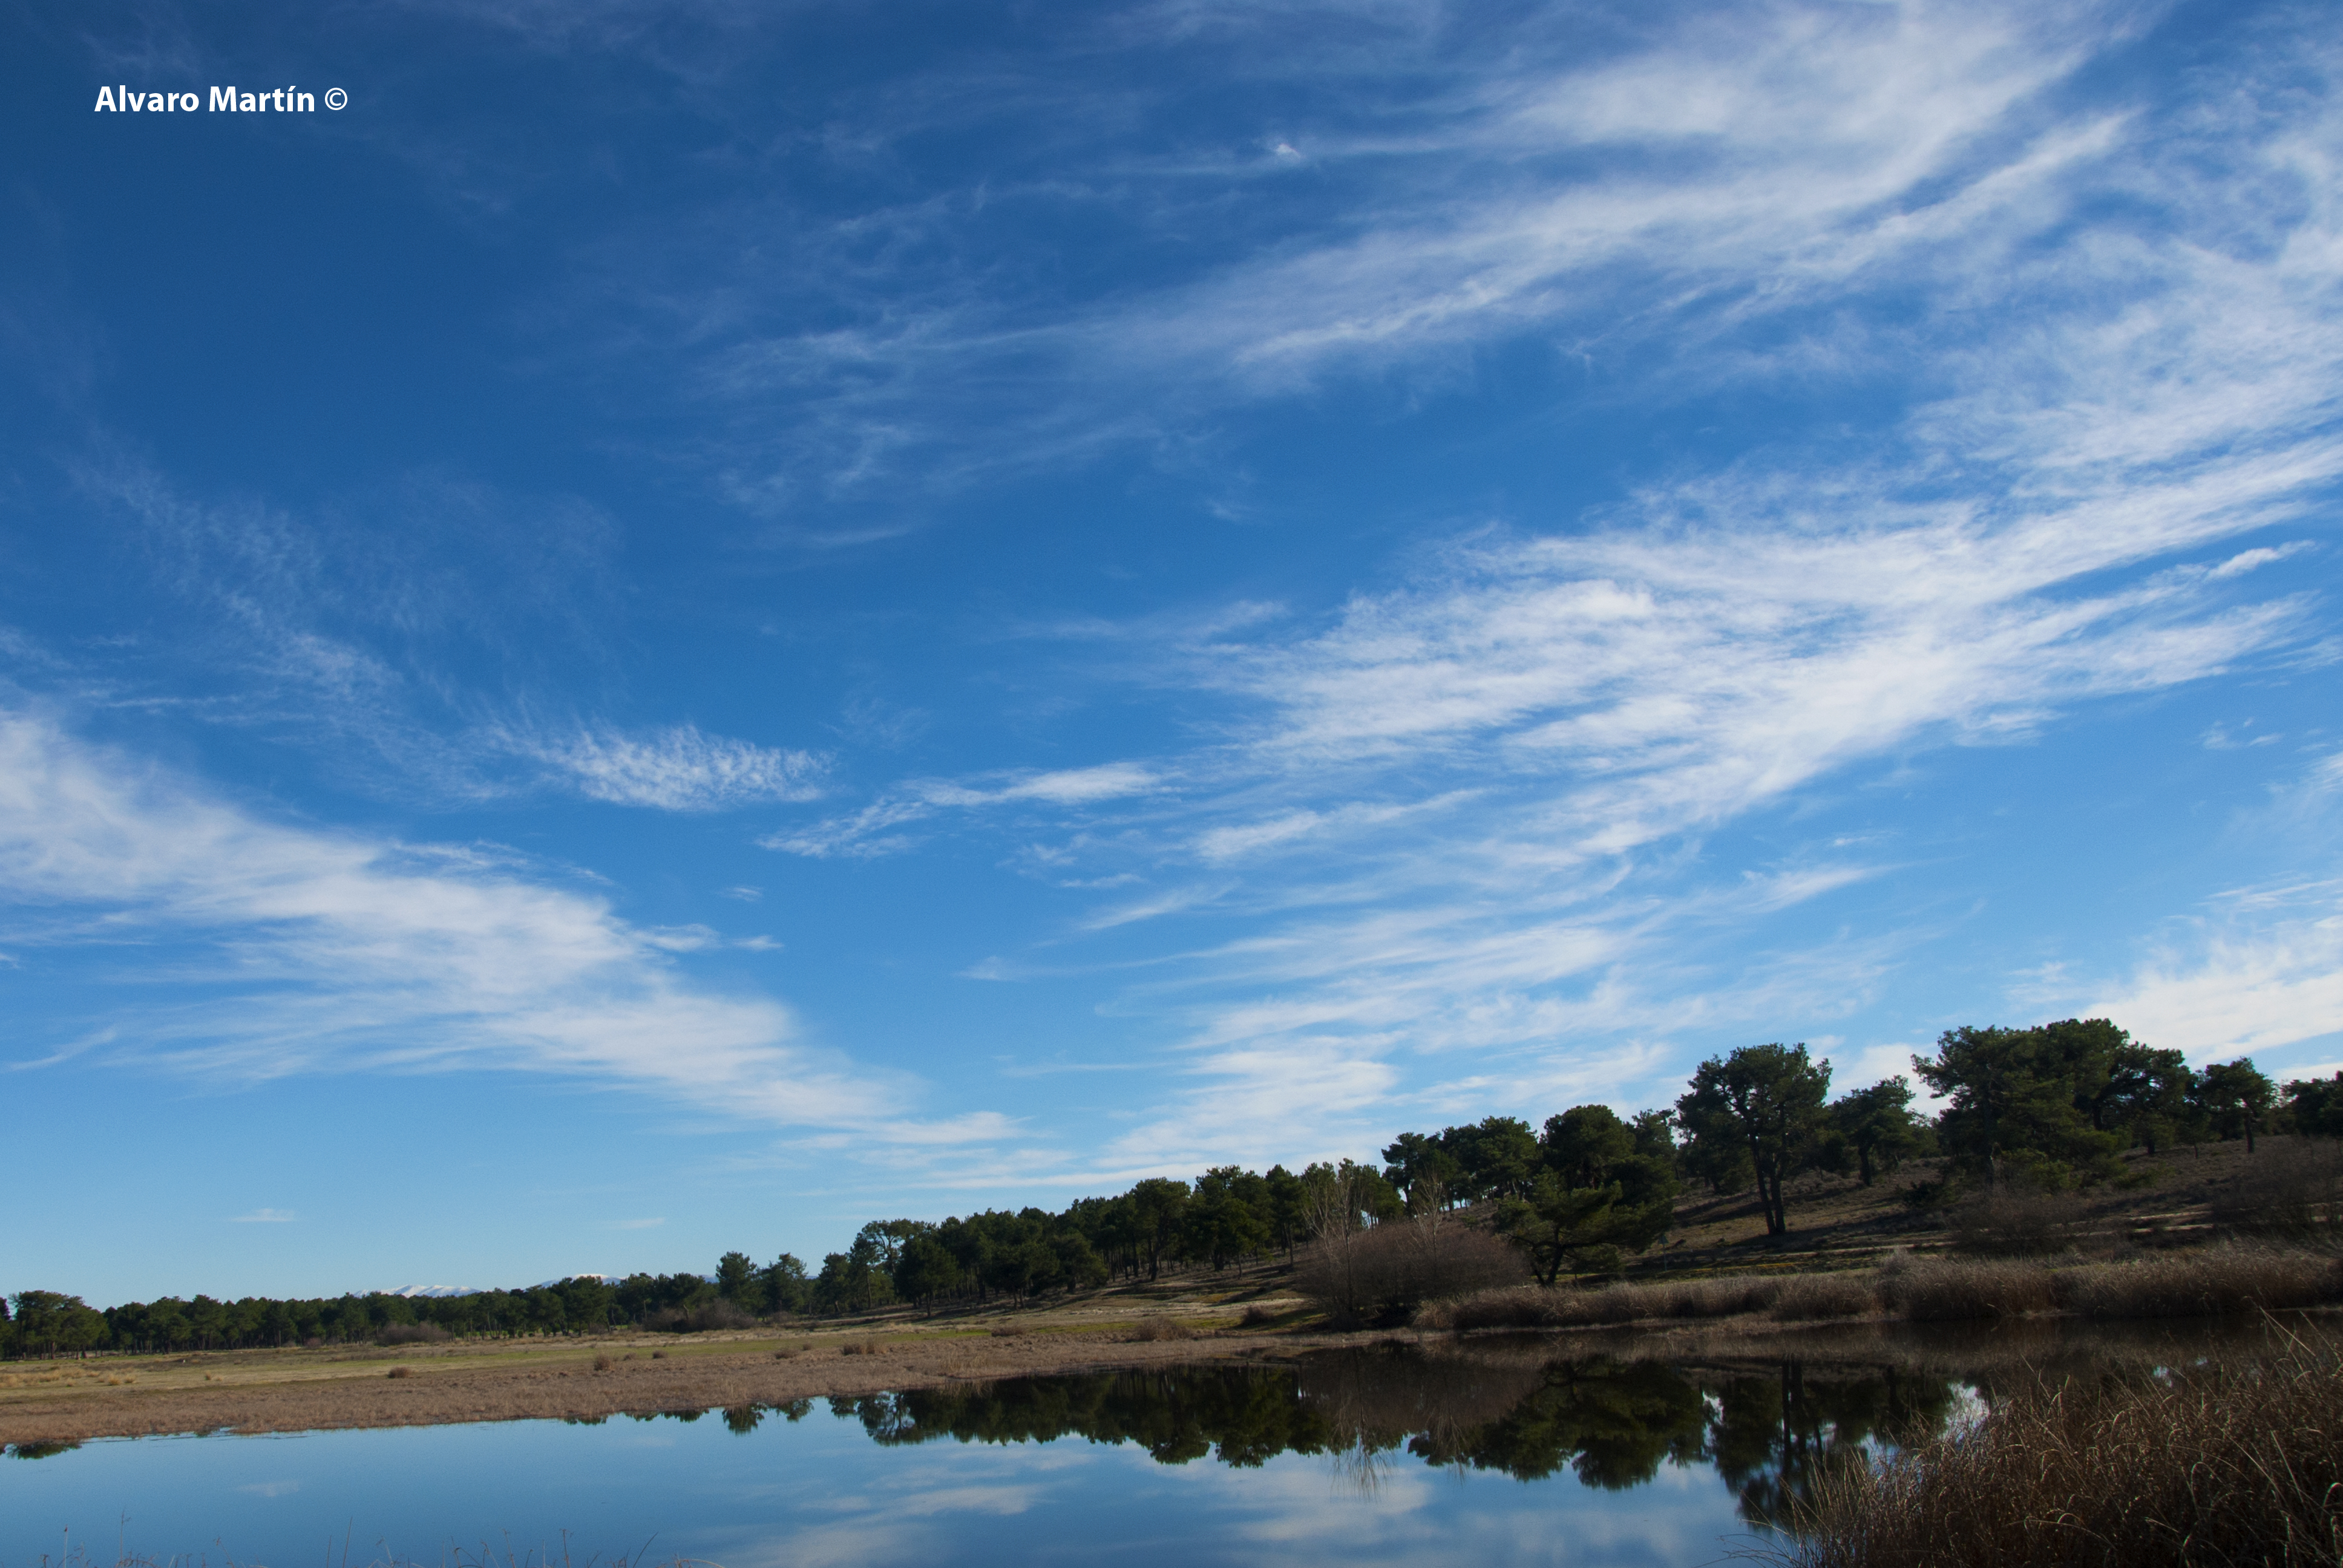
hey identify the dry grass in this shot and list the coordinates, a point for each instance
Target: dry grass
(1800, 1297)
(861, 1348)
(1009, 1331)
(2197, 1284)
(2236, 1460)
(400, 1371)
(604, 1362)
(1808, 1298)
(1949, 1289)
(2210, 1282)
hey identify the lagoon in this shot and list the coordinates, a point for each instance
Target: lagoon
(1489, 1452)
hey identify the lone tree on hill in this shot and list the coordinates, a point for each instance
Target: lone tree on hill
(2237, 1098)
(1765, 1101)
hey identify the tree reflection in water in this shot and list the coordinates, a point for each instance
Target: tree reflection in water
(1768, 1431)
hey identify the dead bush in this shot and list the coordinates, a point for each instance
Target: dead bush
(1383, 1274)
(787, 1353)
(1008, 1331)
(1256, 1316)
(2288, 1187)
(718, 1314)
(400, 1371)
(1162, 1329)
(411, 1334)
(860, 1348)
(2014, 1220)
(603, 1362)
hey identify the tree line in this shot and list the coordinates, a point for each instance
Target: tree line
(2051, 1106)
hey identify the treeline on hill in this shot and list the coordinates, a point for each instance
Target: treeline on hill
(2050, 1107)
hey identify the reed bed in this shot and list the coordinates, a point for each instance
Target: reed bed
(2237, 1460)
(2210, 1282)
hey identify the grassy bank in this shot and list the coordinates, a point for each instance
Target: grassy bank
(2208, 1282)
(2236, 1460)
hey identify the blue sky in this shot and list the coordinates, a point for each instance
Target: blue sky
(687, 624)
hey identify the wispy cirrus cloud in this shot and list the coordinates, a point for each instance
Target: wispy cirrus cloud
(872, 829)
(1639, 200)
(267, 950)
(1473, 809)
(677, 769)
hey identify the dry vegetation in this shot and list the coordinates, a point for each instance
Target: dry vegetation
(1382, 1275)
(2230, 1278)
(2235, 1461)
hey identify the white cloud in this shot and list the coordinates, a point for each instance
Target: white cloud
(2257, 975)
(870, 832)
(1632, 206)
(288, 951)
(2057, 524)
(673, 770)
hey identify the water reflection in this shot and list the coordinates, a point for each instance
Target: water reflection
(1767, 1431)
(1634, 1452)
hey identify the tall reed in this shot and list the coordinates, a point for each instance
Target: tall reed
(2235, 1461)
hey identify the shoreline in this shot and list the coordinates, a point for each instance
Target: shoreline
(353, 1387)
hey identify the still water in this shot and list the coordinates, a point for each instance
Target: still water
(1495, 1454)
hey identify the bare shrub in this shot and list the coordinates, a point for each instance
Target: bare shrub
(1162, 1329)
(659, 1355)
(2232, 1461)
(787, 1353)
(1947, 1290)
(412, 1335)
(1381, 1274)
(2013, 1221)
(603, 1362)
(1256, 1316)
(2288, 1187)
(717, 1314)
(1008, 1331)
(400, 1371)
(861, 1348)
